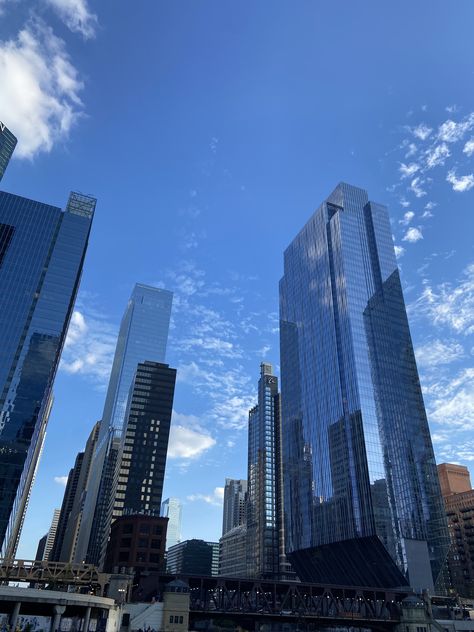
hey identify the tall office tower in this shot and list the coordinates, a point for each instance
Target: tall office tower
(65, 549)
(265, 551)
(51, 534)
(66, 507)
(215, 558)
(7, 146)
(42, 251)
(142, 458)
(362, 495)
(235, 498)
(171, 508)
(143, 336)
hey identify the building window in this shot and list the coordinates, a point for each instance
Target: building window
(171, 619)
(181, 619)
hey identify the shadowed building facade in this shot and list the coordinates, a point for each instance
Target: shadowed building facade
(42, 250)
(362, 496)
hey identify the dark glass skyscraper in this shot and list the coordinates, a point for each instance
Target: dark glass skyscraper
(42, 251)
(144, 447)
(265, 555)
(362, 497)
(7, 146)
(235, 504)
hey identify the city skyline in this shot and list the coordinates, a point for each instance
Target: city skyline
(204, 204)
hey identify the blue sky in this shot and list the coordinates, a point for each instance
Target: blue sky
(209, 131)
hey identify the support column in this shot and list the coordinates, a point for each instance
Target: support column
(14, 617)
(87, 618)
(58, 612)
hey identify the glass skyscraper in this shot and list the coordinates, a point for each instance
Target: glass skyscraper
(7, 146)
(171, 508)
(362, 496)
(265, 549)
(143, 335)
(42, 251)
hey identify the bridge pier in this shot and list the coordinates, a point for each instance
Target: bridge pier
(87, 618)
(14, 617)
(58, 612)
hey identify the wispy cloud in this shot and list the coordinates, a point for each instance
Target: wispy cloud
(416, 186)
(90, 344)
(40, 88)
(407, 217)
(399, 251)
(61, 480)
(452, 131)
(436, 352)
(469, 147)
(448, 305)
(408, 170)
(413, 235)
(215, 498)
(77, 16)
(421, 131)
(461, 184)
(436, 156)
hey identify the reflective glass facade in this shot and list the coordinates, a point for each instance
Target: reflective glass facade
(7, 146)
(265, 555)
(42, 251)
(171, 508)
(362, 495)
(143, 336)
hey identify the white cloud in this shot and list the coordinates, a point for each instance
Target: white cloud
(412, 149)
(469, 147)
(76, 15)
(437, 352)
(408, 216)
(187, 439)
(408, 170)
(61, 480)
(448, 305)
(39, 98)
(215, 498)
(90, 345)
(451, 132)
(437, 155)
(404, 202)
(399, 251)
(454, 405)
(413, 235)
(461, 184)
(416, 187)
(421, 131)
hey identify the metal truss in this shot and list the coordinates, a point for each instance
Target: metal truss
(293, 599)
(41, 572)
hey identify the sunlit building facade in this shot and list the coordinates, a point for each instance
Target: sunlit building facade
(7, 146)
(42, 251)
(362, 497)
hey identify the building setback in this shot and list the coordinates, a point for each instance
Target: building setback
(235, 507)
(42, 251)
(362, 495)
(143, 336)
